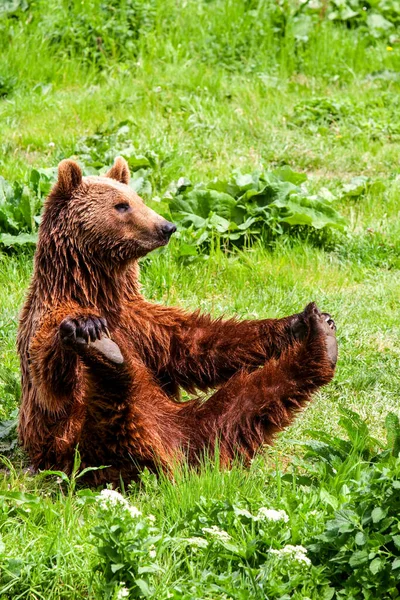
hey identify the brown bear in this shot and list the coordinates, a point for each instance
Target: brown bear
(102, 367)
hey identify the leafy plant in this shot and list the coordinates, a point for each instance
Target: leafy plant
(20, 206)
(359, 546)
(8, 433)
(243, 208)
(264, 203)
(127, 545)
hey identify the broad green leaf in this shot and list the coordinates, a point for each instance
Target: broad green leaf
(231, 547)
(327, 498)
(148, 569)
(360, 538)
(136, 162)
(191, 219)
(378, 514)
(396, 564)
(18, 240)
(356, 187)
(25, 208)
(378, 25)
(311, 211)
(376, 565)
(358, 558)
(21, 497)
(248, 222)
(328, 594)
(7, 428)
(202, 202)
(143, 586)
(246, 182)
(219, 223)
(285, 173)
(63, 476)
(141, 185)
(344, 521)
(396, 540)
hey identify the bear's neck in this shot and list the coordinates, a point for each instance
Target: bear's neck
(64, 274)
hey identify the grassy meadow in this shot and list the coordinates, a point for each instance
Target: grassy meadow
(203, 90)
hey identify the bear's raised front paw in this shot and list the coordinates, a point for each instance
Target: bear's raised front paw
(90, 332)
(83, 329)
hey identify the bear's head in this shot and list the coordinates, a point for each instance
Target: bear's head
(102, 216)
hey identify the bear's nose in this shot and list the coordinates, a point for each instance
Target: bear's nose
(168, 229)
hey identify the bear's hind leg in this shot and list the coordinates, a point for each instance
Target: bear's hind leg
(251, 407)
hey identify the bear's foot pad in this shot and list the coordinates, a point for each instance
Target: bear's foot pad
(322, 324)
(326, 328)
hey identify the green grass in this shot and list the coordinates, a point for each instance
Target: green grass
(207, 93)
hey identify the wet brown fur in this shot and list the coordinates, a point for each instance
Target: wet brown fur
(128, 415)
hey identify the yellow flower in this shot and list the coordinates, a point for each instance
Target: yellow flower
(389, 48)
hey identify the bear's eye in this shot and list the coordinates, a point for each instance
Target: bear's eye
(122, 207)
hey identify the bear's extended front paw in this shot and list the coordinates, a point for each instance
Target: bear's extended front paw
(90, 338)
(83, 329)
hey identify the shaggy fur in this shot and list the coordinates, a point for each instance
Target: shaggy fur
(119, 400)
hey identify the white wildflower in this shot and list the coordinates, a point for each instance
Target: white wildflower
(216, 532)
(133, 511)
(243, 512)
(197, 542)
(151, 518)
(109, 499)
(297, 553)
(122, 593)
(270, 514)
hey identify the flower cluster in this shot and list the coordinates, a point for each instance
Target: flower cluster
(270, 514)
(123, 592)
(264, 514)
(197, 542)
(297, 553)
(217, 533)
(110, 499)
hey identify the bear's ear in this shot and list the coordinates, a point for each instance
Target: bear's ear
(69, 176)
(119, 170)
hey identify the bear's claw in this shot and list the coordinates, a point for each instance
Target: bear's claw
(89, 329)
